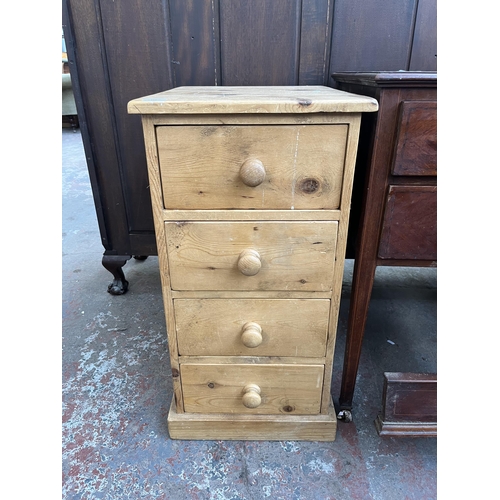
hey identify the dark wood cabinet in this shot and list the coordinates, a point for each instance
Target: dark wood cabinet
(119, 51)
(397, 177)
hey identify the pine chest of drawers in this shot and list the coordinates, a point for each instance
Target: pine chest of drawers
(251, 188)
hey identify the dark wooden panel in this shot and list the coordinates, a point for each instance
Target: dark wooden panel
(372, 36)
(93, 85)
(137, 51)
(409, 229)
(409, 405)
(260, 42)
(315, 35)
(424, 50)
(195, 42)
(416, 143)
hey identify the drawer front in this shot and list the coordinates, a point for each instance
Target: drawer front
(255, 389)
(257, 255)
(409, 229)
(252, 327)
(209, 167)
(416, 145)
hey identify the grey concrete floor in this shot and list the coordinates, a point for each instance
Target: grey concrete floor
(116, 388)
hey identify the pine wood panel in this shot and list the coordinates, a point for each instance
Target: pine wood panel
(303, 164)
(250, 294)
(154, 179)
(241, 215)
(294, 255)
(251, 100)
(252, 360)
(265, 116)
(252, 427)
(345, 204)
(213, 327)
(285, 389)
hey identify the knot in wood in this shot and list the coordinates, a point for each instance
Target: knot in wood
(309, 185)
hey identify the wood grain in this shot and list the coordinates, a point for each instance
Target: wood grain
(424, 44)
(201, 166)
(315, 118)
(295, 255)
(242, 215)
(345, 205)
(260, 42)
(285, 389)
(289, 327)
(378, 34)
(250, 100)
(409, 405)
(132, 48)
(195, 42)
(130, 52)
(250, 360)
(409, 228)
(154, 179)
(416, 143)
(252, 427)
(315, 36)
(408, 237)
(252, 294)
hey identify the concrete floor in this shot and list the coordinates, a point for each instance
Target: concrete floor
(117, 388)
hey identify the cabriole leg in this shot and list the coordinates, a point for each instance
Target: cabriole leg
(114, 264)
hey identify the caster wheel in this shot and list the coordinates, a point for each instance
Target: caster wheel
(345, 416)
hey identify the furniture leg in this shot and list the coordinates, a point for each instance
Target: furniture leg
(114, 264)
(363, 276)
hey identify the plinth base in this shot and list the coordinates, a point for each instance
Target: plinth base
(219, 426)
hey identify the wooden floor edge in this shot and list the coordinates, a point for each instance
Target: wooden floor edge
(405, 429)
(202, 426)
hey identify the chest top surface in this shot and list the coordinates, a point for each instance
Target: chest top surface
(283, 99)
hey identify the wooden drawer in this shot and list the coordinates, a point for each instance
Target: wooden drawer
(416, 144)
(409, 229)
(252, 327)
(224, 388)
(284, 255)
(301, 166)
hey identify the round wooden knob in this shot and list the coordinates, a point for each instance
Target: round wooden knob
(251, 396)
(252, 172)
(249, 262)
(251, 335)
